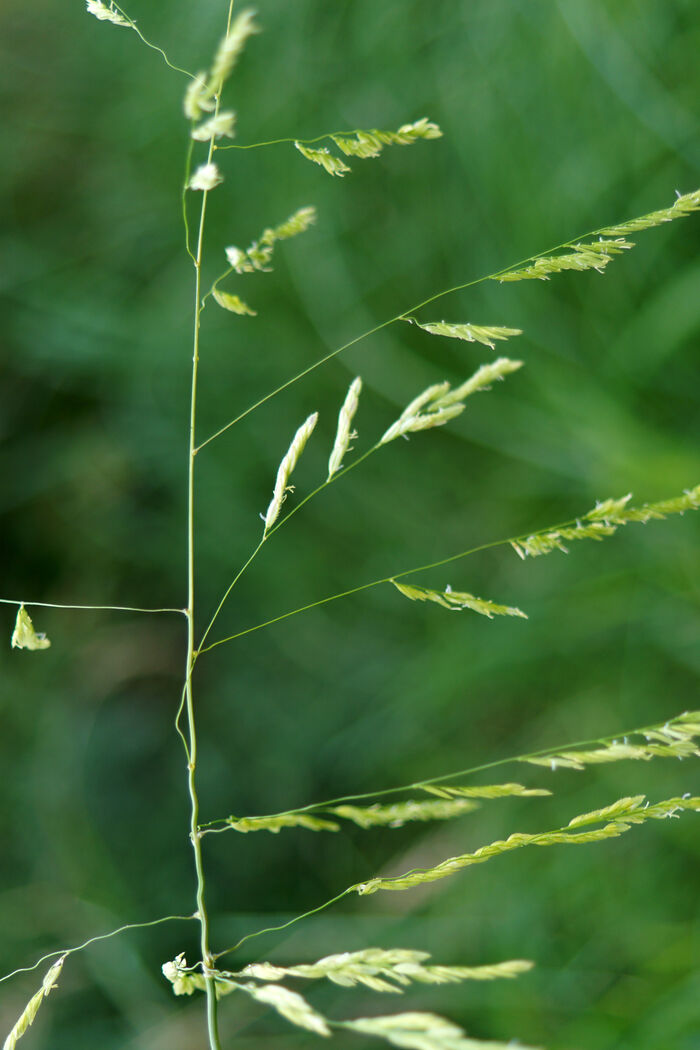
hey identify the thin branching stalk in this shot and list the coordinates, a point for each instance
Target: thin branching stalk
(191, 746)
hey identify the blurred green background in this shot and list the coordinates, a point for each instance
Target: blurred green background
(559, 117)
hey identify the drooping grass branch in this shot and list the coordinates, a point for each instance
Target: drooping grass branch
(613, 821)
(596, 524)
(540, 265)
(676, 738)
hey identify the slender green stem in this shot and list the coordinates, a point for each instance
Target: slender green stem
(191, 747)
(191, 742)
(94, 940)
(148, 43)
(285, 925)
(107, 608)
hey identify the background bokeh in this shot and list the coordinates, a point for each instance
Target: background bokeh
(559, 116)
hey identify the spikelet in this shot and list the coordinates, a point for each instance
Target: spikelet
(285, 469)
(232, 303)
(400, 813)
(365, 144)
(593, 256)
(230, 49)
(494, 849)
(205, 178)
(413, 418)
(32, 1008)
(482, 379)
(196, 101)
(554, 540)
(284, 820)
(344, 435)
(487, 791)
(604, 520)
(456, 600)
(377, 968)
(676, 738)
(215, 127)
(183, 982)
(681, 207)
(290, 1005)
(24, 636)
(324, 157)
(471, 333)
(632, 813)
(423, 1031)
(106, 13)
(259, 254)
(371, 143)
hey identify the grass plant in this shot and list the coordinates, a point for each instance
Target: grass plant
(210, 158)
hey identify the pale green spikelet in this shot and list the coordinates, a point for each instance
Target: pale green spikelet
(106, 13)
(485, 791)
(344, 434)
(24, 636)
(431, 393)
(630, 809)
(604, 520)
(297, 223)
(377, 968)
(471, 333)
(616, 511)
(413, 418)
(555, 539)
(196, 101)
(230, 48)
(290, 1005)
(222, 124)
(259, 254)
(677, 738)
(681, 207)
(333, 165)
(365, 144)
(232, 303)
(371, 142)
(206, 177)
(480, 856)
(183, 981)
(284, 471)
(483, 379)
(456, 600)
(423, 1031)
(593, 256)
(32, 1008)
(443, 403)
(400, 813)
(283, 820)
(425, 421)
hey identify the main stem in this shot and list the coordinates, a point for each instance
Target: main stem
(195, 833)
